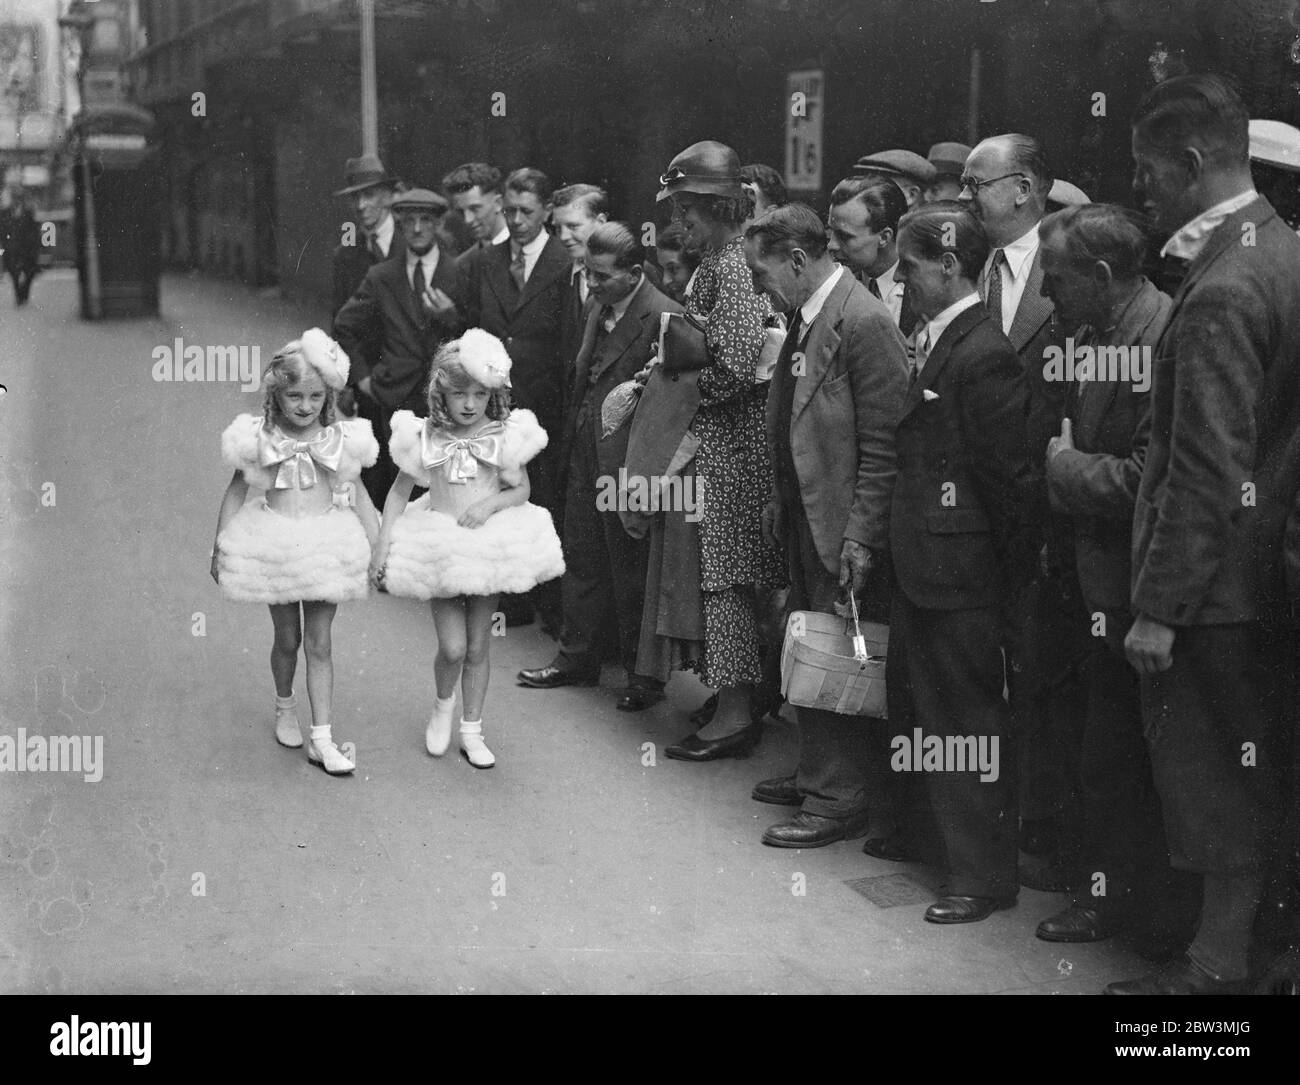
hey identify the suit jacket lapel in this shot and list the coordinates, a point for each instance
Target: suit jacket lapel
(495, 268)
(953, 334)
(552, 263)
(625, 331)
(1258, 211)
(1034, 310)
(822, 341)
(394, 272)
(582, 363)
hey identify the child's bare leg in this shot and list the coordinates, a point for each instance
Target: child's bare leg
(449, 621)
(478, 625)
(478, 639)
(320, 687)
(284, 649)
(284, 663)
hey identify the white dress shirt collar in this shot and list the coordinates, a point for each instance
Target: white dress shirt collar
(383, 235)
(934, 330)
(621, 307)
(531, 252)
(809, 309)
(1190, 238)
(430, 262)
(891, 292)
(501, 235)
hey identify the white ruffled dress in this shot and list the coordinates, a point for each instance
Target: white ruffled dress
(430, 555)
(265, 556)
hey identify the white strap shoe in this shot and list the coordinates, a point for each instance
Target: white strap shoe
(322, 751)
(288, 729)
(437, 736)
(472, 747)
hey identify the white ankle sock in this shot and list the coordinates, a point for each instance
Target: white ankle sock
(473, 746)
(322, 751)
(437, 735)
(288, 731)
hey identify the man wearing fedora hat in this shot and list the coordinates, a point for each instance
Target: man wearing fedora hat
(370, 190)
(404, 304)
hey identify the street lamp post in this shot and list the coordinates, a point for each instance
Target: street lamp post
(369, 95)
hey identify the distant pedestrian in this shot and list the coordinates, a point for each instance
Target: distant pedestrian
(20, 238)
(474, 534)
(308, 540)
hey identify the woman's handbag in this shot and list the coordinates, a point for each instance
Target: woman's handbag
(835, 664)
(683, 347)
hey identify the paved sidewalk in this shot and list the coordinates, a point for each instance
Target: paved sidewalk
(209, 859)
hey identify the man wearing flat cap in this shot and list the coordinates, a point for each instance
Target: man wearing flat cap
(948, 160)
(907, 169)
(405, 305)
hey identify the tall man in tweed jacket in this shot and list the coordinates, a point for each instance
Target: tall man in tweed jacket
(835, 395)
(1221, 474)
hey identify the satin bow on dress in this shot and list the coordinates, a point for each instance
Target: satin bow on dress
(296, 469)
(461, 455)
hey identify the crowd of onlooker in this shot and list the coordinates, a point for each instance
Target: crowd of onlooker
(1053, 445)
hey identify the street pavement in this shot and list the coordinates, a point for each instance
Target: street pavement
(209, 859)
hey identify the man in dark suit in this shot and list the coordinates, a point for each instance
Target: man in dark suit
(404, 304)
(476, 192)
(863, 228)
(831, 410)
(1221, 474)
(962, 538)
(576, 210)
(1092, 259)
(1005, 185)
(374, 235)
(605, 569)
(519, 294)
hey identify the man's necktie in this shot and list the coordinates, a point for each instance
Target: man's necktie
(993, 292)
(517, 270)
(607, 319)
(922, 353)
(907, 315)
(874, 287)
(376, 252)
(417, 281)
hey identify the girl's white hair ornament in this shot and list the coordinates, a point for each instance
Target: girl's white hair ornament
(323, 354)
(484, 357)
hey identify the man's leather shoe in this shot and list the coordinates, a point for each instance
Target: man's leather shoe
(806, 830)
(554, 678)
(694, 748)
(1079, 923)
(886, 847)
(780, 791)
(957, 909)
(639, 698)
(1180, 977)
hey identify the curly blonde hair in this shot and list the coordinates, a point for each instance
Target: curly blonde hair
(448, 375)
(287, 368)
